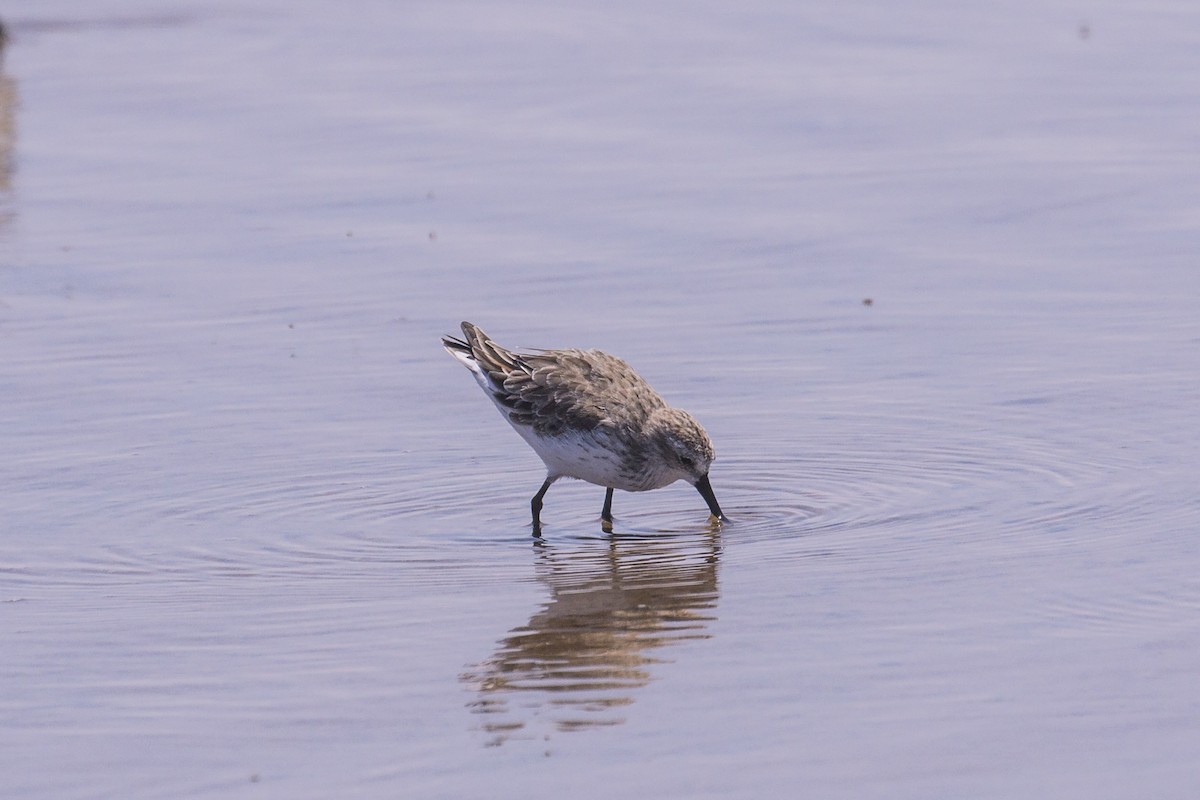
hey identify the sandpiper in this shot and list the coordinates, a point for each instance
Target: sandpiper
(589, 416)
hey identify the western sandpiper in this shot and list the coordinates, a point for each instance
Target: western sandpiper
(589, 416)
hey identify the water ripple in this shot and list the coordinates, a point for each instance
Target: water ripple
(932, 488)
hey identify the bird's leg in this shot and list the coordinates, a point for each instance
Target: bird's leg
(536, 506)
(606, 512)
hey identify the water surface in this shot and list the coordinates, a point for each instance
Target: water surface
(926, 276)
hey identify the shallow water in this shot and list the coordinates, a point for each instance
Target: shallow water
(262, 536)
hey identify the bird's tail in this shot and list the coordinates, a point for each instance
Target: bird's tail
(475, 346)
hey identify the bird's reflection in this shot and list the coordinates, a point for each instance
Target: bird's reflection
(613, 607)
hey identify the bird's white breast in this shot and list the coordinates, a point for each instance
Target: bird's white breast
(582, 454)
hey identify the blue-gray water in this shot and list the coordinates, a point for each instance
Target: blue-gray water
(261, 537)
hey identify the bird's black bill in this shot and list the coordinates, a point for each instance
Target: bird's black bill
(705, 490)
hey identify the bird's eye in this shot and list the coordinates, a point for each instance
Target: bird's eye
(687, 462)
